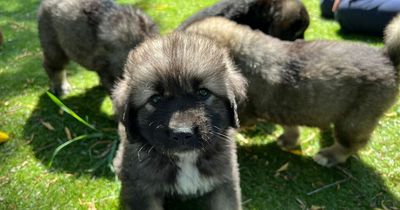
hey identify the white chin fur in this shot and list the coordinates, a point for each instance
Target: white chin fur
(189, 181)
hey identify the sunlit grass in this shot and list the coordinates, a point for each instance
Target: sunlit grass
(27, 181)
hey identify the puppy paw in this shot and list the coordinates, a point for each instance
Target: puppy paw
(331, 156)
(324, 161)
(62, 89)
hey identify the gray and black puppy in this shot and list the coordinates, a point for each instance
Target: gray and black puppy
(177, 109)
(285, 19)
(96, 34)
(313, 83)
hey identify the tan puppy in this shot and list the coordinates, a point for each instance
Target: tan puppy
(313, 83)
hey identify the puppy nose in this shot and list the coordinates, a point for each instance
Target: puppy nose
(181, 133)
(179, 136)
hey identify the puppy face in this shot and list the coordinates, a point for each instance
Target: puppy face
(179, 93)
(288, 18)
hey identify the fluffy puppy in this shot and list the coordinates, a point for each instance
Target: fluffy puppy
(177, 110)
(96, 34)
(285, 19)
(313, 83)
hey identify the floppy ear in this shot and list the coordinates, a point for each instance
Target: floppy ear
(124, 110)
(120, 99)
(237, 86)
(146, 24)
(129, 120)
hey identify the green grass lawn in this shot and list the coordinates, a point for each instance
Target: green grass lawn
(370, 180)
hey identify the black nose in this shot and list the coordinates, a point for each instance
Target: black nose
(181, 136)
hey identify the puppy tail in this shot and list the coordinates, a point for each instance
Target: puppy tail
(392, 40)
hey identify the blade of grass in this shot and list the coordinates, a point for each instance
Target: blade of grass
(112, 155)
(108, 159)
(78, 138)
(97, 165)
(69, 111)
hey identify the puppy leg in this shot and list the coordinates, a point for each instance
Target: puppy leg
(350, 136)
(135, 199)
(289, 139)
(57, 76)
(54, 58)
(225, 197)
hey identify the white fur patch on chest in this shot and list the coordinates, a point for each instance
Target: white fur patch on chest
(189, 181)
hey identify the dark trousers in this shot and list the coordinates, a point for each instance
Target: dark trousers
(362, 16)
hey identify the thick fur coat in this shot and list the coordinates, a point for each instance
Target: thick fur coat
(97, 34)
(312, 83)
(284, 19)
(177, 113)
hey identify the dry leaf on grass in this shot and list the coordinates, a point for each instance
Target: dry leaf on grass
(68, 133)
(91, 206)
(317, 207)
(47, 125)
(284, 167)
(301, 203)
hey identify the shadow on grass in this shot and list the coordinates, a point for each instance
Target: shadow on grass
(79, 157)
(375, 40)
(262, 186)
(303, 184)
(265, 188)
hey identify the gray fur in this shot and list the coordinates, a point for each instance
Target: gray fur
(96, 34)
(311, 83)
(392, 37)
(284, 19)
(157, 97)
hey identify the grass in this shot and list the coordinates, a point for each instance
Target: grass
(372, 179)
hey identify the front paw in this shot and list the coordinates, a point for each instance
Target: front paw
(61, 90)
(331, 156)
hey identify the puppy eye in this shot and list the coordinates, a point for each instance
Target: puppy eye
(203, 93)
(155, 99)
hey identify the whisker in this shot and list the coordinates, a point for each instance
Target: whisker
(223, 137)
(138, 154)
(221, 134)
(217, 127)
(151, 148)
(160, 126)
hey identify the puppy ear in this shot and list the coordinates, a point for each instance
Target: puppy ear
(237, 86)
(124, 110)
(120, 99)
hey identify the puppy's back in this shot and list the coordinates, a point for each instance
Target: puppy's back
(318, 79)
(73, 24)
